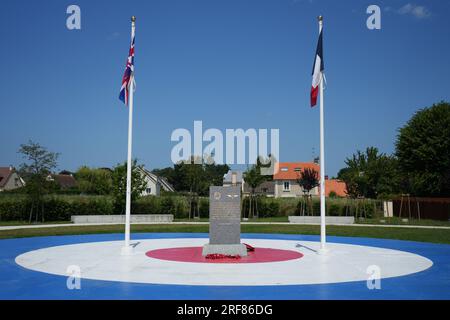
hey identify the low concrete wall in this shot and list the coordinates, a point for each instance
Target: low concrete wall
(143, 218)
(316, 220)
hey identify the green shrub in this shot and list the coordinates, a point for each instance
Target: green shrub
(61, 207)
(334, 209)
(13, 208)
(55, 208)
(267, 207)
(176, 205)
(147, 205)
(204, 207)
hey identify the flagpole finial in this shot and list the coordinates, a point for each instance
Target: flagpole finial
(320, 18)
(133, 19)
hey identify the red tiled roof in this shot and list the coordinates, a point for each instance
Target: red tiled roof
(5, 172)
(337, 186)
(286, 170)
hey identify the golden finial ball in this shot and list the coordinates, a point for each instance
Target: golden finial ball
(133, 18)
(320, 18)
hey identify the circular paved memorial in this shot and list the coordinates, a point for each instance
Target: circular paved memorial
(170, 266)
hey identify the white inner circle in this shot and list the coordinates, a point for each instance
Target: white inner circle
(342, 263)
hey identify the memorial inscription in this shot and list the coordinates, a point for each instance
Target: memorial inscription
(225, 222)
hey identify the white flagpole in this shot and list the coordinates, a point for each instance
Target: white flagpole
(127, 249)
(322, 160)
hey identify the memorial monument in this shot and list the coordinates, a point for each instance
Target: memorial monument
(225, 222)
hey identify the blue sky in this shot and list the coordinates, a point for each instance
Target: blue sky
(230, 63)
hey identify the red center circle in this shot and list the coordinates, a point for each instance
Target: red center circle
(194, 254)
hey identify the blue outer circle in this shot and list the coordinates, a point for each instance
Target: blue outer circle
(17, 282)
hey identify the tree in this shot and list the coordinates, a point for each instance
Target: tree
(308, 179)
(370, 174)
(254, 179)
(194, 178)
(119, 183)
(423, 151)
(188, 176)
(39, 164)
(94, 181)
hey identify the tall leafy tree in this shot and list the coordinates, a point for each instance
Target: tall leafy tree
(253, 178)
(370, 174)
(119, 182)
(187, 176)
(423, 151)
(39, 163)
(94, 181)
(308, 179)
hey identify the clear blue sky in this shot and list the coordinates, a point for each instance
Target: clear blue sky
(230, 63)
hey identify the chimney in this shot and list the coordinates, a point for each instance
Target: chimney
(326, 177)
(11, 168)
(233, 178)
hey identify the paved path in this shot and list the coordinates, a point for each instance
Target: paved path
(205, 223)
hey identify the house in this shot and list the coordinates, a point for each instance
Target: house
(286, 184)
(337, 186)
(234, 178)
(267, 188)
(154, 183)
(10, 179)
(64, 181)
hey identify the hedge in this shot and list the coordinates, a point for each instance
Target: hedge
(60, 208)
(55, 208)
(279, 207)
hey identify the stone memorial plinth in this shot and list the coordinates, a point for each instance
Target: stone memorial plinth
(225, 222)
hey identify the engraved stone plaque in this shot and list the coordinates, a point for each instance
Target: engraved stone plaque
(225, 215)
(225, 221)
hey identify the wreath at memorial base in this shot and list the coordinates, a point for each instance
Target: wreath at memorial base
(216, 256)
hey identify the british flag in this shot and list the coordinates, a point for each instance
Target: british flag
(128, 76)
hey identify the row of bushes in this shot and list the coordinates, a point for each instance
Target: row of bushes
(55, 208)
(179, 206)
(281, 207)
(60, 208)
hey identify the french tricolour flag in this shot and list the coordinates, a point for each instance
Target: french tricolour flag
(317, 71)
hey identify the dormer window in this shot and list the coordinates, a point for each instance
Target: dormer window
(297, 169)
(284, 169)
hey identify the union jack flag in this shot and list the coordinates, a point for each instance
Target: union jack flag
(128, 75)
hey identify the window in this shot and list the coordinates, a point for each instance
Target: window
(286, 186)
(284, 169)
(297, 169)
(148, 190)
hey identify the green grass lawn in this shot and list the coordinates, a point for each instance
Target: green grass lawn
(270, 219)
(411, 222)
(26, 223)
(381, 220)
(413, 234)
